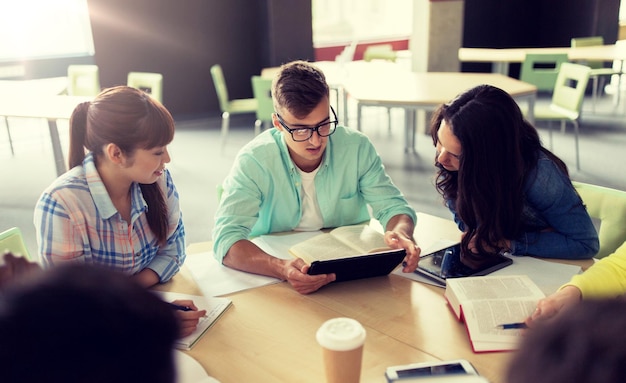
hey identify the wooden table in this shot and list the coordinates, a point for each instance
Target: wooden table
(269, 333)
(40, 99)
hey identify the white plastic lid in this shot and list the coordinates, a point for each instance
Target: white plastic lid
(341, 334)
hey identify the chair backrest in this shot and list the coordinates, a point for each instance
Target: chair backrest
(83, 80)
(261, 88)
(569, 90)
(542, 69)
(151, 83)
(220, 86)
(588, 42)
(347, 54)
(13, 241)
(609, 207)
(379, 51)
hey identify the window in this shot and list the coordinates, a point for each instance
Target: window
(33, 29)
(342, 21)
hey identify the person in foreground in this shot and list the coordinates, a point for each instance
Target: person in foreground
(606, 278)
(584, 345)
(305, 174)
(84, 323)
(117, 206)
(506, 191)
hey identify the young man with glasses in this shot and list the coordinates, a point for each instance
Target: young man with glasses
(306, 174)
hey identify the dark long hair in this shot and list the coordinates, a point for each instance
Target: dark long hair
(130, 119)
(499, 148)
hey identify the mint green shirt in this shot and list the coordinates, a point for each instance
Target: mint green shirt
(262, 193)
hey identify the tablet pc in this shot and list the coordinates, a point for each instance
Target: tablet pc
(446, 263)
(360, 266)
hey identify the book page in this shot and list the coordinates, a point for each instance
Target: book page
(322, 247)
(483, 317)
(494, 287)
(361, 237)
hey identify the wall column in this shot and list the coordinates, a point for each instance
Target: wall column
(437, 35)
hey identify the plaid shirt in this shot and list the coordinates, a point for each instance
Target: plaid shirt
(76, 220)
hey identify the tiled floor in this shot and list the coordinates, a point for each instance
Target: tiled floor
(197, 165)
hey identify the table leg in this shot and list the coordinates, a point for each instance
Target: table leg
(531, 109)
(6, 123)
(344, 97)
(501, 67)
(618, 88)
(358, 116)
(59, 161)
(409, 130)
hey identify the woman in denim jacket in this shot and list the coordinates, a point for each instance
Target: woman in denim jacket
(507, 192)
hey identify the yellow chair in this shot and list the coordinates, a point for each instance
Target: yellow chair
(151, 83)
(83, 80)
(567, 100)
(12, 240)
(609, 206)
(598, 71)
(262, 90)
(228, 106)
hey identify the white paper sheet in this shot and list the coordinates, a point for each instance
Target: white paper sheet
(188, 370)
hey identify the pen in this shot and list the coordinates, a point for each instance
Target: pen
(511, 326)
(181, 308)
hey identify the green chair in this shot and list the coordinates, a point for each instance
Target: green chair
(151, 83)
(542, 70)
(228, 106)
(83, 80)
(609, 206)
(12, 240)
(380, 52)
(598, 72)
(567, 100)
(262, 90)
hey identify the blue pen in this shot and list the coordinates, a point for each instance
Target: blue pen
(511, 326)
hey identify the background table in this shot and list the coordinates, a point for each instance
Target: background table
(502, 57)
(40, 99)
(425, 91)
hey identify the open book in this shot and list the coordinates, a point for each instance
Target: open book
(351, 252)
(487, 302)
(214, 306)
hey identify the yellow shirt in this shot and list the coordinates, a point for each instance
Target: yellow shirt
(605, 278)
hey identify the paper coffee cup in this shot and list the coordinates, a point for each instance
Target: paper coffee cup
(342, 342)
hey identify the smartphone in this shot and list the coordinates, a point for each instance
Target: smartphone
(446, 263)
(429, 369)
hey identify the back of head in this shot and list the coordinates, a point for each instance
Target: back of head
(585, 344)
(299, 87)
(81, 323)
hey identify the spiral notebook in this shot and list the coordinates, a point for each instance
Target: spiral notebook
(214, 306)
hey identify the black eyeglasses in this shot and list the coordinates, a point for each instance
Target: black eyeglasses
(303, 133)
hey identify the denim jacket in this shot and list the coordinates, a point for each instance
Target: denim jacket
(552, 204)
